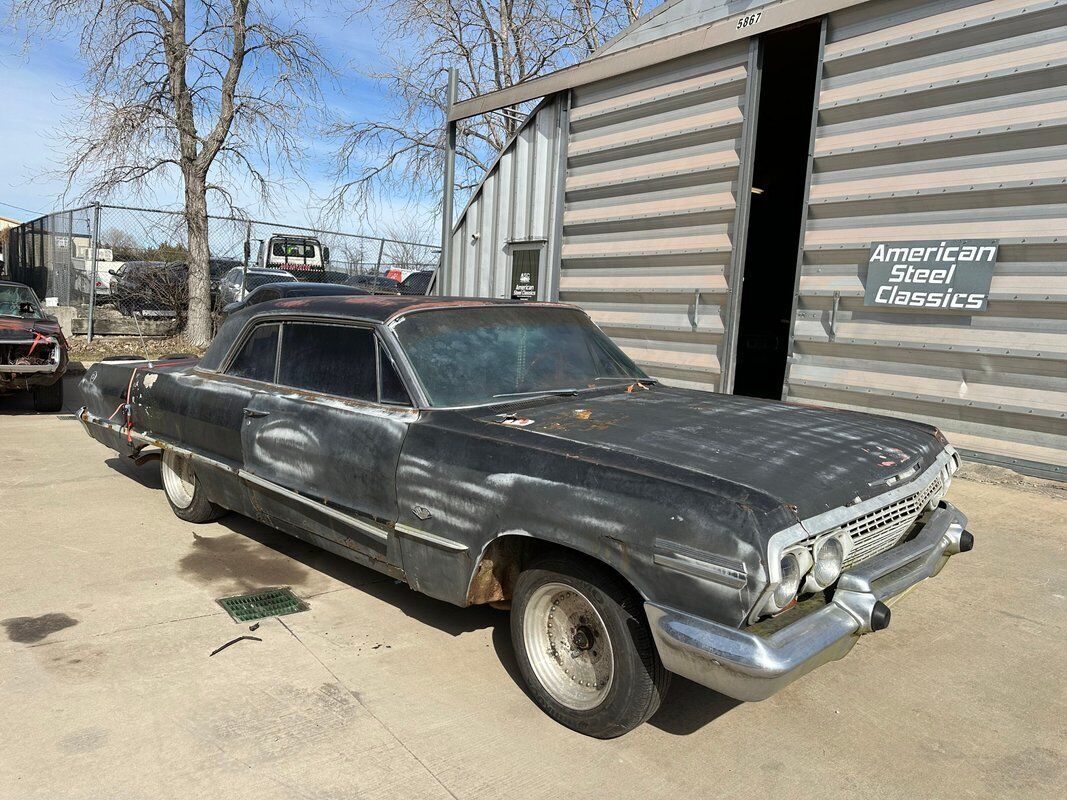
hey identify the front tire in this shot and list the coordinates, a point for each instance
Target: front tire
(584, 647)
(186, 496)
(48, 399)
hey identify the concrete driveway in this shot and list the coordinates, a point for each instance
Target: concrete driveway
(107, 688)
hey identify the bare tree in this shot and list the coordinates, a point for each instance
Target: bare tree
(209, 91)
(403, 250)
(494, 44)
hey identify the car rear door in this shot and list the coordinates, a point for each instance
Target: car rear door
(321, 452)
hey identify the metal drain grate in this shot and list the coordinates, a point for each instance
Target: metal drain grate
(262, 604)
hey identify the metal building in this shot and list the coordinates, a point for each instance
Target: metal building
(861, 205)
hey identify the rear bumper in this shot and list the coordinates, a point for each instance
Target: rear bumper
(747, 666)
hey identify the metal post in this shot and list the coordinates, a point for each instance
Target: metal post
(244, 273)
(555, 236)
(450, 176)
(94, 246)
(381, 251)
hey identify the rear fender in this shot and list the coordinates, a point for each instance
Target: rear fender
(106, 389)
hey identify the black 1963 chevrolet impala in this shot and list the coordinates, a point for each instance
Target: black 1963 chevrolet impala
(498, 452)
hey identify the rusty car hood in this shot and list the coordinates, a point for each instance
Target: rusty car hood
(25, 327)
(806, 457)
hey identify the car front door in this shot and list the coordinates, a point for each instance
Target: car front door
(320, 453)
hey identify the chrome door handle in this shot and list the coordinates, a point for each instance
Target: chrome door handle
(252, 413)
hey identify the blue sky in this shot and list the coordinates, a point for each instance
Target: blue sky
(36, 84)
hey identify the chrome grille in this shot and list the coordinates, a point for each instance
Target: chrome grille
(883, 528)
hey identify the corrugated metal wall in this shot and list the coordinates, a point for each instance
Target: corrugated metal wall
(651, 201)
(943, 120)
(516, 202)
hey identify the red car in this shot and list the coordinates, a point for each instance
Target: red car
(33, 352)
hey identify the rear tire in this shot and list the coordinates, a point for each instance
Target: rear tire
(187, 498)
(584, 647)
(48, 399)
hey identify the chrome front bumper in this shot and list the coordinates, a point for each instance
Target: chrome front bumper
(747, 666)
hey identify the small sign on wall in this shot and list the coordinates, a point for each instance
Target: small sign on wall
(945, 275)
(525, 269)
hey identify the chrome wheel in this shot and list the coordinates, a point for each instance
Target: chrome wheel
(178, 478)
(568, 646)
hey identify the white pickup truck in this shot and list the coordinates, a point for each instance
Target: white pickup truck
(288, 252)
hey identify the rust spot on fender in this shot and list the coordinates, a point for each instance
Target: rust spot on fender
(494, 579)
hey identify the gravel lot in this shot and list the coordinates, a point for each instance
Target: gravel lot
(107, 689)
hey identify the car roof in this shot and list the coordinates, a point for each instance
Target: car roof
(377, 307)
(371, 307)
(12, 283)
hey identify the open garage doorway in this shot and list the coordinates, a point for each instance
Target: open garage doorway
(789, 62)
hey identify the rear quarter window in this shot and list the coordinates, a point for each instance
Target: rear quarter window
(257, 357)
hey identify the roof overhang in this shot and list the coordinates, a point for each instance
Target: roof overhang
(774, 15)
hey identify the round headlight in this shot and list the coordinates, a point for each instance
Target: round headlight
(829, 556)
(787, 588)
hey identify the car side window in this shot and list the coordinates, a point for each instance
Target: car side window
(331, 359)
(258, 356)
(391, 388)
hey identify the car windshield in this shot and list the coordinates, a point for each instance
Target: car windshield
(483, 355)
(19, 301)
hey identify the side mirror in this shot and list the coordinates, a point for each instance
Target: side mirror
(325, 255)
(113, 272)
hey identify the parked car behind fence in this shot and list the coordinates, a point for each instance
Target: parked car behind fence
(375, 284)
(418, 282)
(288, 289)
(150, 289)
(237, 283)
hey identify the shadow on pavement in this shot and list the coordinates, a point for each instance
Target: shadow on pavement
(147, 475)
(16, 404)
(21, 403)
(689, 707)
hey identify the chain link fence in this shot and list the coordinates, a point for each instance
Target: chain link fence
(124, 270)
